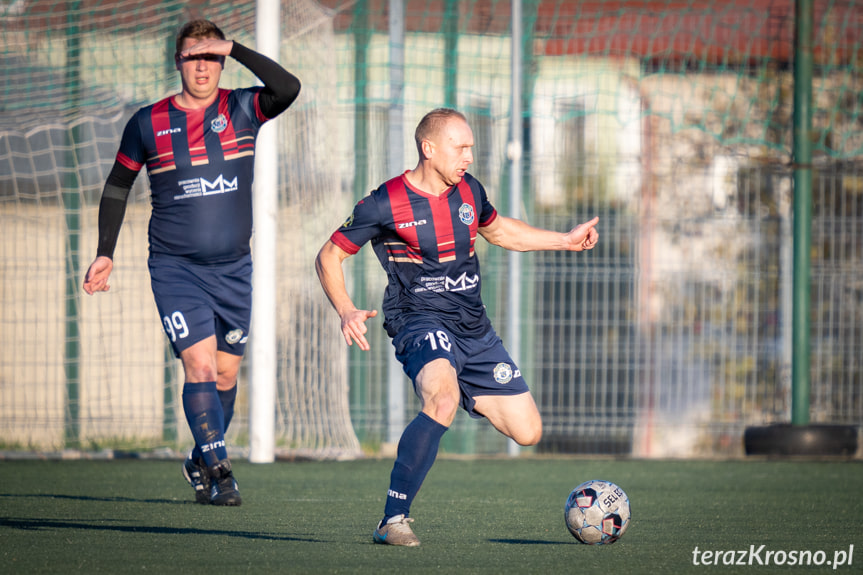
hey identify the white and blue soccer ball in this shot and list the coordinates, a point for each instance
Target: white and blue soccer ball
(597, 512)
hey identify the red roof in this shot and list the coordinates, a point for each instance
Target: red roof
(731, 30)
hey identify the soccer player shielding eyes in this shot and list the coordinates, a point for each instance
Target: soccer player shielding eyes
(423, 225)
(199, 150)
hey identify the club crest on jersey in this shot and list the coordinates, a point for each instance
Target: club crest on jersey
(219, 124)
(465, 214)
(234, 336)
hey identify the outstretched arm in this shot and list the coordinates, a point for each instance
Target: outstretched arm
(519, 236)
(328, 264)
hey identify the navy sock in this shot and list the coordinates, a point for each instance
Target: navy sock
(227, 399)
(416, 454)
(206, 420)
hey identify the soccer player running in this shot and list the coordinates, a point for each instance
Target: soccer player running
(423, 226)
(199, 149)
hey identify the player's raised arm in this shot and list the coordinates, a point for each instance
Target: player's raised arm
(328, 265)
(516, 235)
(281, 87)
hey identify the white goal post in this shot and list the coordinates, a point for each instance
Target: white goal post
(262, 380)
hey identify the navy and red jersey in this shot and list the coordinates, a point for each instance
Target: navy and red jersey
(425, 243)
(201, 166)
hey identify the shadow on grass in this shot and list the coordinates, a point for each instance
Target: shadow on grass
(526, 542)
(105, 499)
(44, 524)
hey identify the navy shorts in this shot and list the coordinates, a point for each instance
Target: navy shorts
(482, 365)
(196, 301)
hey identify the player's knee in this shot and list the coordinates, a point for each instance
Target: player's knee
(226, 379)
(225, 384)
(442, 408)
(198, 368)
(529, 436)
(444, 412)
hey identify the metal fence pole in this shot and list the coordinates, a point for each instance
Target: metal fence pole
(802, 210)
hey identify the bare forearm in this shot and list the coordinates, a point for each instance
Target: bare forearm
(328, 266)
(516, 235)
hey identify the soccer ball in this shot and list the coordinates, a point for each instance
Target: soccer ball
(597, 512)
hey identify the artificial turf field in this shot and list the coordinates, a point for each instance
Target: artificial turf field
(472, 516)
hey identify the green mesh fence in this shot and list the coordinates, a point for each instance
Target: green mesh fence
(672, 121)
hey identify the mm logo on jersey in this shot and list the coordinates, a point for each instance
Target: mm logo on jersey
(219, 186)
(412, 224)
(462, 283)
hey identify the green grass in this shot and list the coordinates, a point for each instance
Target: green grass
(476, 516)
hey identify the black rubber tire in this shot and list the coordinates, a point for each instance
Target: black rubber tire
(809, 440)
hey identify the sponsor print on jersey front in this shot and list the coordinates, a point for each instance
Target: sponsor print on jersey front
(196, 187)
(447, 284)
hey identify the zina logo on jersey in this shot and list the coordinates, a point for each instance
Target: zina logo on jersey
(412, 224)
(219, 186)
(168, 132)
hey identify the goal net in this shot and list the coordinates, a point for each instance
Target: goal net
(671, 120)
